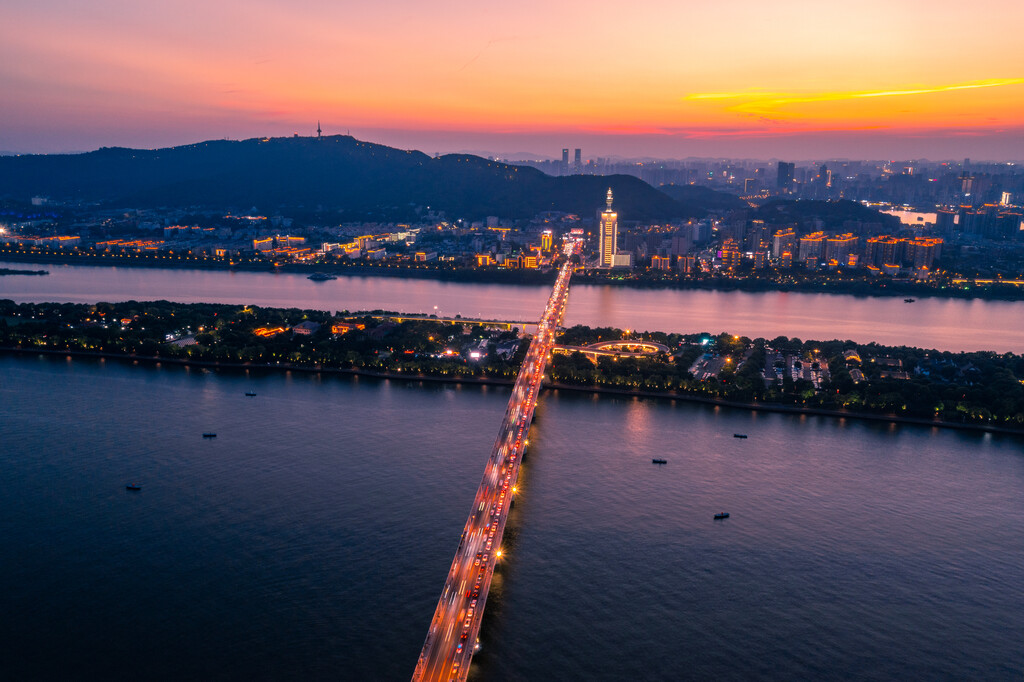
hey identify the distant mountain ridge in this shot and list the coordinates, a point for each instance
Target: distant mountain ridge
(698, 195)
(339, 172)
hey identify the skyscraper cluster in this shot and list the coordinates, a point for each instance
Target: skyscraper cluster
(577, 162)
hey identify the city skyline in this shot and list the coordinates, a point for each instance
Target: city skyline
(912, 80)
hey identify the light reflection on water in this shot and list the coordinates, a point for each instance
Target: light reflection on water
(945, 324)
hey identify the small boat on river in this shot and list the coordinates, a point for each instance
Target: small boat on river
(739, 435)
(721, 515)
(209, 434)
(133, 486)
(659, 461)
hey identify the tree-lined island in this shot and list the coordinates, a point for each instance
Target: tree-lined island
(980, 389)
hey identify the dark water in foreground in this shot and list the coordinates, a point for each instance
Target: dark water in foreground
(310, 538)
(945, 324)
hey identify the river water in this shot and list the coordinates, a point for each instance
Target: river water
(310, 538)
(945, 324)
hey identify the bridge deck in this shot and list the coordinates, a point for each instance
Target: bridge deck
(453, 632)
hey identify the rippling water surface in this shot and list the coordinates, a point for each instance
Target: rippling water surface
(945, 324)
(310, 538)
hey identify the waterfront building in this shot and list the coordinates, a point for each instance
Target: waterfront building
(661, 262)
(307, 328)
(546, 240)
(922, 252)
(881, 250)
(339, 328)
(839, 247)
(731, 255)
(783, 241)
(622, 260)
(812, 246)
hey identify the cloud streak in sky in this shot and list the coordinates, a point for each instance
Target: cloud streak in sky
(774, 104)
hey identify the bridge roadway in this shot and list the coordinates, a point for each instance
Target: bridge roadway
(452, 637)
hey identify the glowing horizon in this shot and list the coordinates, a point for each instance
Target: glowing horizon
(926, 78)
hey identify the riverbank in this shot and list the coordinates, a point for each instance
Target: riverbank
(485, 381)
(341, 268)
(852, 286)
(10, 271)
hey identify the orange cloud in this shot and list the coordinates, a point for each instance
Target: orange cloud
(874, 106)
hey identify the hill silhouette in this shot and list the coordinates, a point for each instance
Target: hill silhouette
(698, 195)
(832, 213)
(360, 179)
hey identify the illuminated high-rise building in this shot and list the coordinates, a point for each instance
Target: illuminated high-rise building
(661, 262)
(881, 250)
(812, 246)
(923, 251)
(784, 240)
(608, 234)
(546, 240)
(731, 255)
(565, 162)
(839, 247)
(577, 164)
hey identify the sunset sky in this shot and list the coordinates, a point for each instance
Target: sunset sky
(802, 80)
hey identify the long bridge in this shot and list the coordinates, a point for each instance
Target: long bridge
(452, 638)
